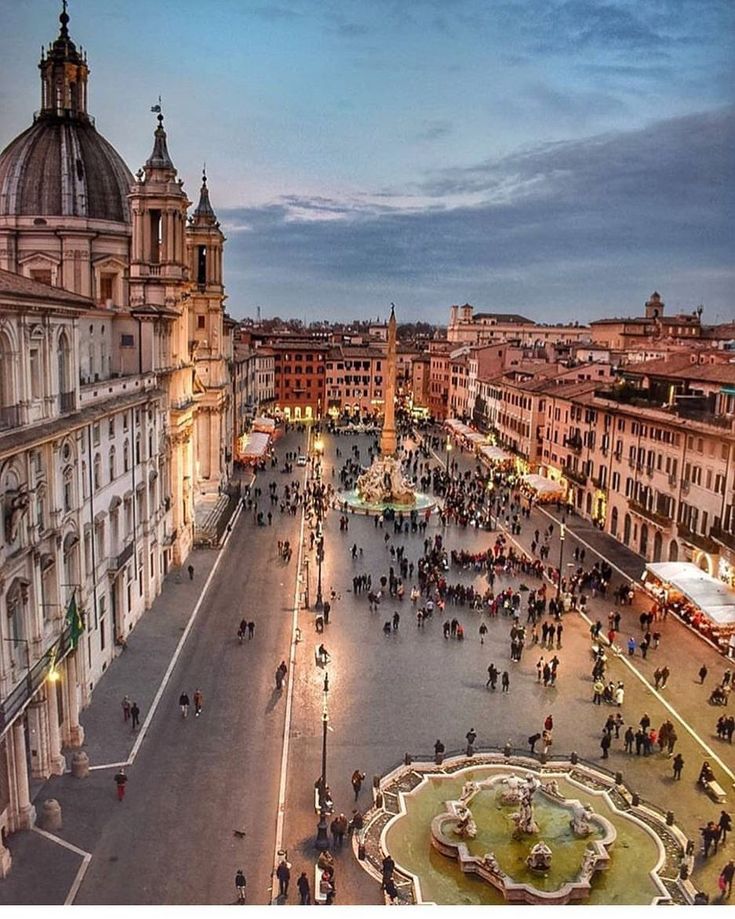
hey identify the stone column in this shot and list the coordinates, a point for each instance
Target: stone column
(25, 811)
(76, 731)
(57, 763)
(38, 739)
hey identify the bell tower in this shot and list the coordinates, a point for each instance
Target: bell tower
(204, 245)
(64, 75)
(160, 298)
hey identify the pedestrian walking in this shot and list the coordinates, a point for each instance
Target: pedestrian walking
(703, 673)
(240, 884)
(483, 632)
(505, 681)
(135, 715)
(121, 780)
(190, 569)
(126, 704)
(283, 873)
(304, 889)
(726, 876)
(357, 779)
(184, 704)
(198, 702)
(471, 737)
(629, 738)
(677, 765)
(725, 825)
(533, 740)
(251, 629)
(605, 744)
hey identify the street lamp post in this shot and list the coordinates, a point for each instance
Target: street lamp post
(322, 836)
(562, 534)
(449, 450)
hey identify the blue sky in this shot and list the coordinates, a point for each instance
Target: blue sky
(558, 158)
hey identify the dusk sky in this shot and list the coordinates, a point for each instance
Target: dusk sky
(556, 158)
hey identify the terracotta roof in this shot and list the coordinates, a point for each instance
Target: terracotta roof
(17, 285)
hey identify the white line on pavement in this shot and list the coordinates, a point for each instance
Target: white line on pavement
(182, 642)
(81, 871)
(281, 813)
(110, 765)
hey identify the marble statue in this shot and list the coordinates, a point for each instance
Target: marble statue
(468, 789)
(511, 793)
(17, 508)
(589, 862)
(580, 822)
(466, 826)
(540, 857)
(524, 819)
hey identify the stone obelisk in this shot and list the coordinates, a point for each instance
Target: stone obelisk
(388, 434)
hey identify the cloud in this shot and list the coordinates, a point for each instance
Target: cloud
(434, 129)
(544, 226)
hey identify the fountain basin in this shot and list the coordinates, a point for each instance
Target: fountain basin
(575, 855)
(643, 867)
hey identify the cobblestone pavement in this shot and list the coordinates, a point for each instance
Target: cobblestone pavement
(193, 783)
(399, 693)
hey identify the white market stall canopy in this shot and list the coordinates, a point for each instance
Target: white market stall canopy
(264, 425)
(255, 445)
(543, 487)
(713, 597)
(455, 426)
(495, 454)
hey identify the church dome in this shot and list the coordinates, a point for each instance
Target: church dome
(61, 166)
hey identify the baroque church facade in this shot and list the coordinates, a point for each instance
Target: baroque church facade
(115, 414)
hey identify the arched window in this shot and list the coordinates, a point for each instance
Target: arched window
(126, 456)
(111, 463)
(644, 541)
(657, 546)
(64, 364)
(16, 608)
(8, 394)
(614, 522)
(673, 551)
(626, 529)
(97, 473)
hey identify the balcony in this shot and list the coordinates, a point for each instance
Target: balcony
(9, 417)
(579, 477)
(123, 558)
(598, 483)
(724, 537)
(705, 543)
(574, 444)
(651, 514)
(22, 693)
(67, 402)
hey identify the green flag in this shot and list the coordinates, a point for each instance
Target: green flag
(74, 621)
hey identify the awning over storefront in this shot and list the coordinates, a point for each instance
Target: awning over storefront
(264, 425)
(545, 488)
(254, 445)
(713, 597)
(495, 455)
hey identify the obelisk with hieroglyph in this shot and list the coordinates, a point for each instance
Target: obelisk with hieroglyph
(388, 434)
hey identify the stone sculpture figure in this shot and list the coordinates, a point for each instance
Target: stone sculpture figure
(540, 857)
(466, 826)
(17, 508)
(580, 822)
